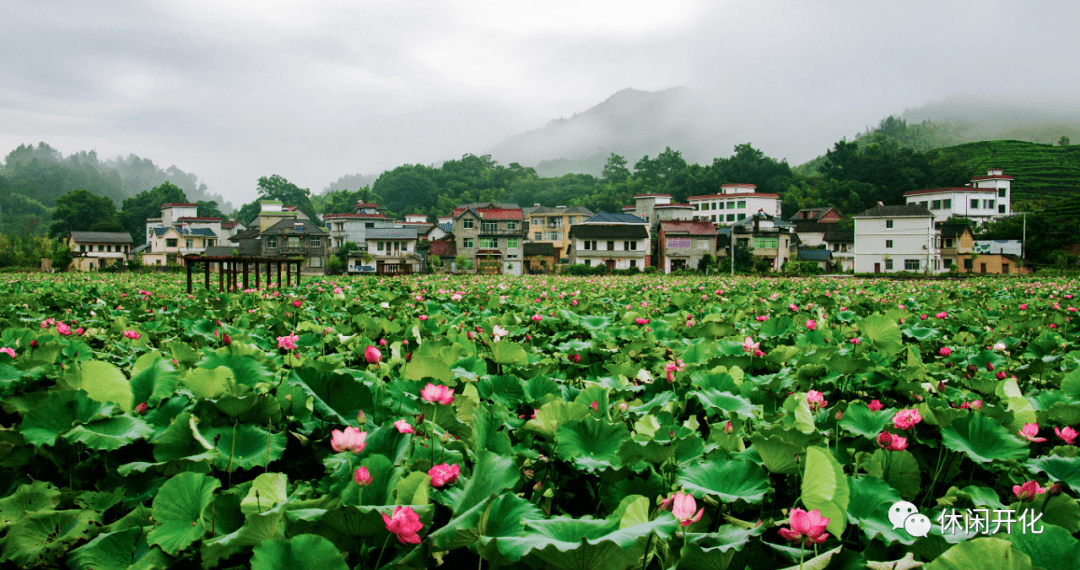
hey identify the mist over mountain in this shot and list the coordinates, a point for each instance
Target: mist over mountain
(981, 117)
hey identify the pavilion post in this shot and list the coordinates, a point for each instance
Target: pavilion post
(206, 272)
(278, 275)
(189, 264)
(256, 273)
(245, 275)
(288, 273)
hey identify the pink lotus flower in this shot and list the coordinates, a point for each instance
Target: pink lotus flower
(942, 315)
(906, 419)
(811, 324)
(537, 318)
(1067, 434)
(351, 439)
(749, 345)
(63, 329)
(405, 524)
(8, 351)
(793, 307)
(894, 442)
(1030, 431)
(594, 406)
(683, 507)
(362, 477)
(297, 303)
(1027, 492)
(816, 400)
(443, 474)
(439, 394)
(856, 341)
(945, 351)
(372, 355)
(132, 335)
(875, 405)
(999, 346)
(806, 526)
(404, 427)
(762, 318)
(288, 342)
(1023, 306)
(141, 408)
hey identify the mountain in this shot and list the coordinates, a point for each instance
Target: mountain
(630, 123)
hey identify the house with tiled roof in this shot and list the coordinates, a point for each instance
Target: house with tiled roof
(842, 245)
(682, 244)
(446, 250)
(391, 251)
(90, 251)
(656, 208)
(541, 257)
(352, 227)
(735, 202)
(890, 239)
(169, 245)
(491, 236)
(985, 198)
(768, 237)
(826, 215)
(298, 237)
(617, 241)
(552, 225)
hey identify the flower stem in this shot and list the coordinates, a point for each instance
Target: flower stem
(802, 554)
(378, 563)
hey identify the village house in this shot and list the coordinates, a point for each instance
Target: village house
(986, 198)
(541, 257)
(491, 236)
(890, 239)
(683, 244)
(446, 250)
(352, 227)
(826, 215)
(91, 251)
(617, 241)
(842, 245)
(734, 203)
(169, 245)
(297, 238)
(391, 251)
(656, 208)
(768, 237)
(552, 225)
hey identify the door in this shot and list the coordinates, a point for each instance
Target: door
(610, 263)
(877, 268)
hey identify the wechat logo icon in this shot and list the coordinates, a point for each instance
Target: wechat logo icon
(906, 516)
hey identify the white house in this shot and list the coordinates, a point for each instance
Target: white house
(889, 239)
(735, 202)
(986, 198)
(618, 241)
(353, 226)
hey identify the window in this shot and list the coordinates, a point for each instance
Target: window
(948, 242)
(1001, 193)
(731, 205)
(271, 242)
(714, 218)
(947, 262)
(974, 203)
(467, 243)
(82, 247)
(935, 205)
(968, 264)
(315, 242)
(467, 223)
(633, 263)
(489, 226)
(572, 220)
(888, 244)
(889, 224)
(369, 225)
(1001, 208)
(888, 265)
(108, 248)
(511, 225)
(766, 242)
(740, 217)
(170, 242)
(511, 243)
(315, 262)
(537, 222)
(379, 245)
(742, 204)
(946, 204)
(209, 243)
(537, 236)
(911, 265)
(554, 236)
(101, 248)
(489, 243)
(610, 245)
(697, 206)
(189, 243)
(629, 246)
(731, 217)
(982, 268)
(588, 263)
(1005, 268)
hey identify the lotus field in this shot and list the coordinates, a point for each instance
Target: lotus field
(544, 422)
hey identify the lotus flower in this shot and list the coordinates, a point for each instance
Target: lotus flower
(404, 427)
(1027, 491)
(875, 405)
(811, 324)
(1068, 434)
(906, 419)
(439, 394)
(945, 351)
(443, 474)
(816, 400)
(362, 477)
(287, 342)
(372, 355)
(405, 524)
(808, 526)
(8, 351)
(749, 345)
(351, 439)
(683, 507)
(132, 335)
(1030, 432)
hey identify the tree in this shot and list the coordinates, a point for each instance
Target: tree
(434, 262)
(80, 210)
(463, 263)
(147, 204)
(276, 187)
(334, 265)
(409, 189)
(615, 169)
(61, 257)
(1063, 141)
(656, 173)
(209, 209)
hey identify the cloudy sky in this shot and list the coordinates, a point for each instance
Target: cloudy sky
(314, 90)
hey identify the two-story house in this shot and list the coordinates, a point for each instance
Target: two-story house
(683, 244)
(656, 208)
(617, 241)
(768, 237)
(491, 236)
(552, 225)
(169, 245)
(91, 251)
(842, 245)
(353, 226)
(890, 239)
(391, 251)
(986, 198)
(297, 238)
(735, 202)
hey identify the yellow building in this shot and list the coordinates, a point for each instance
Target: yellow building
(552, 225)
(91, 251)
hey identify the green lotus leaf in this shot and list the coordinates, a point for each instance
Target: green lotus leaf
(109, 434)
(246, 369)
(210, 383)
(732, 480)
(302, 551)
(422, 368)
(509, 353)
(869, 506)
(1063, 469)
(899, 469)
(154, 381)
(244, 447)
(1054, 547)
(860, 420)
(883, 333)
(983, 439)
(1058, 510)
(714, 551)
(58, 412)
(41, 538)
(778, 455)
(37, 496)
(727, 403)
(591, 444)
(181, 511)
(338, 398)
(121, 550)
(975, 554)
(257, 529)
(554, 414)
(267, 491)
(106, 383)
(181, 439)
(825, 488)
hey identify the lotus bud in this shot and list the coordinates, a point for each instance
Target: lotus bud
(361, 419)
(728, 427)
(445, 438)
(1055, 489)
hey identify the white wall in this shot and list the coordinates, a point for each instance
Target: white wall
(912, 239)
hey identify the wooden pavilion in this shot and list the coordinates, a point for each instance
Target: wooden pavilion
(234, 267)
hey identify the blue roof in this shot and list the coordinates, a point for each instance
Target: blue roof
(203, 232)
(447, 227)
(608, 218)
(814, 255)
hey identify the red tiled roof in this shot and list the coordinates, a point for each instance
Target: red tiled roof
(443, 247)
(950, 190)
(674, 205)
(992, 177)
(494, 213)
(738, 185)
(195, 219)
(735, 195)
(628, 207)
(652, 195)
(228, 225)
(488, 252)
(692, 228)
(366, 205)
(348, 215)
(179, 205)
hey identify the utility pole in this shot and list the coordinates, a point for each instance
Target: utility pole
(1023, 244)
(731, 246)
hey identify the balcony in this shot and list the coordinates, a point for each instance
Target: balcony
(507, 233)
(293, 250)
